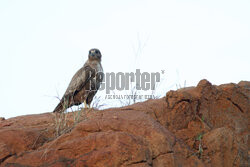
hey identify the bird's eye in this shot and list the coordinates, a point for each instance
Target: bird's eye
(89, 52)
(96, 51)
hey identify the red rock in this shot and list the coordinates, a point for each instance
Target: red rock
(205, 125)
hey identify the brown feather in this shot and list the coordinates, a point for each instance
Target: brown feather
(78, 89)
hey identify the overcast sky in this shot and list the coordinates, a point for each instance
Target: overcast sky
(43, 43)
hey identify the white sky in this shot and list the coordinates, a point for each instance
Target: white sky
(43, 43)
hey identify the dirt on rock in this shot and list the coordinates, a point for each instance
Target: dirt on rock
(206, 125)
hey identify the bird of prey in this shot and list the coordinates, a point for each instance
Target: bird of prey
(84, 84)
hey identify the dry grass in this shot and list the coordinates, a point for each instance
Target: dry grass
(66, 121)
(61, 124)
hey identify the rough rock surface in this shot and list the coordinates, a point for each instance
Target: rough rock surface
(205, 125)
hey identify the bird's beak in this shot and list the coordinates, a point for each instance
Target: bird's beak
(92, 53)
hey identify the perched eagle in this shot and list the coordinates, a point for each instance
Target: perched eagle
(84, 83)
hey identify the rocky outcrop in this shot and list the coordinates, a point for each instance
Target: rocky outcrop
(205, 125)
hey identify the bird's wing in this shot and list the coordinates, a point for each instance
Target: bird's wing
(79, 80)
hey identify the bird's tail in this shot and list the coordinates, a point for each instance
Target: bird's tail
(59, 108)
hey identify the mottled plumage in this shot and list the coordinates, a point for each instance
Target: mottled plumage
(83, 81)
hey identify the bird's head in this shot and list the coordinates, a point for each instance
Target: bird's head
(95, 54)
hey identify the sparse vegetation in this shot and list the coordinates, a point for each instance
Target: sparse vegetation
(97, 102)
(179, 86)
(64, 122)
(61, 124)
(200, 151)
